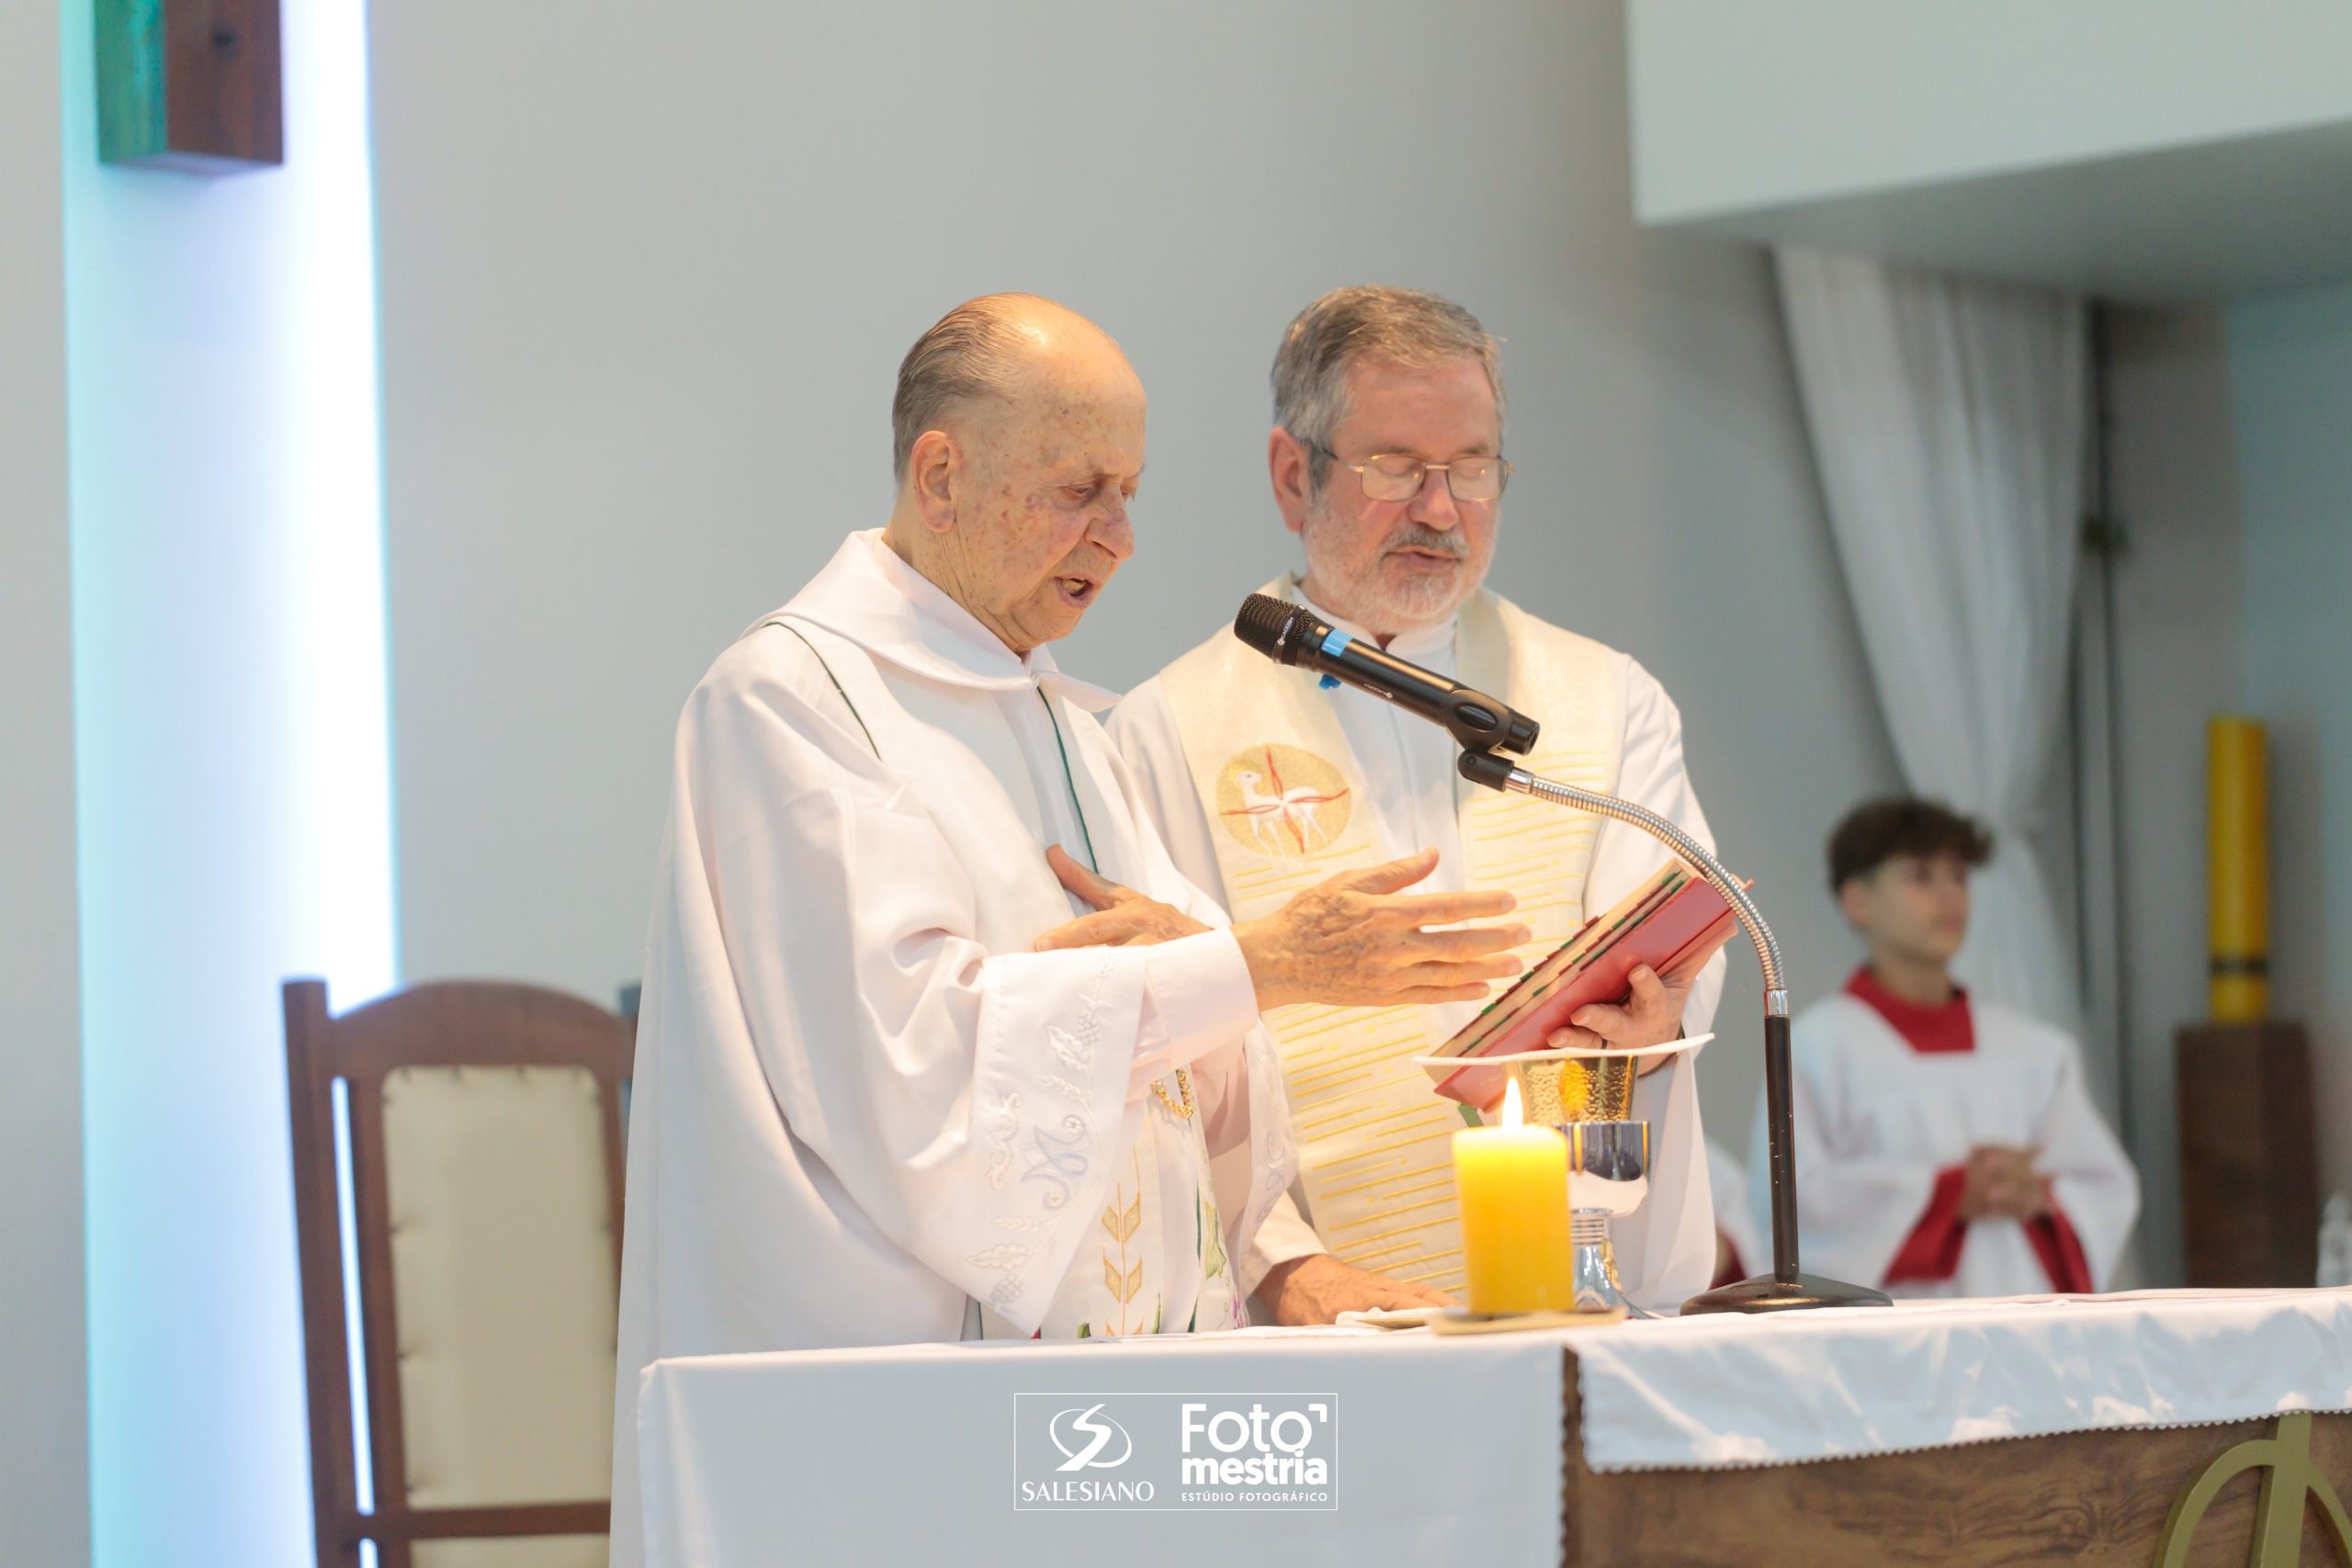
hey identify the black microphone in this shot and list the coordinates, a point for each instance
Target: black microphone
(1290, 634)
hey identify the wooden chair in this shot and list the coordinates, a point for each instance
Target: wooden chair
(484, 1186)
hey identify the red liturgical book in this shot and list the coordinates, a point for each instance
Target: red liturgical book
(1663, 923)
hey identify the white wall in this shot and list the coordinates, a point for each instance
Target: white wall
(1745, 106)
(2174, 473)
(2291, 371)
(45, 1468)
(2186, 150)
(230, 731)
(644, 292)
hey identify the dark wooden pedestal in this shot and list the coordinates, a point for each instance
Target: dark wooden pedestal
(2249, 1164)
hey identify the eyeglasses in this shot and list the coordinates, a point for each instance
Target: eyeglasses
(1393, 476)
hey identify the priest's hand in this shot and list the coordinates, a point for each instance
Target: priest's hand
(1361, 941)
(1651, 1014)
(1122, 918)
(1318, 1288)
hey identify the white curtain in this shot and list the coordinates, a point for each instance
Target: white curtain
(1947, 421)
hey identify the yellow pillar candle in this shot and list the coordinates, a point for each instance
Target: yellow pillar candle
(1512, 1181)
(2238, 874)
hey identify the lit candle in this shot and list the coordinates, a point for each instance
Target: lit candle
(1513, 1184)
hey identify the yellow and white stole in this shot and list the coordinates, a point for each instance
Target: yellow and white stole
(1282, 789)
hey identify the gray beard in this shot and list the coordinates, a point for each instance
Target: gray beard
(1371, 599)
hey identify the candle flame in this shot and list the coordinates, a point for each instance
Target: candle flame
(1512, 1115)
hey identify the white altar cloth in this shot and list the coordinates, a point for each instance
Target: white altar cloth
(906, 1454)
(1705, 1393)
(1443, 1450)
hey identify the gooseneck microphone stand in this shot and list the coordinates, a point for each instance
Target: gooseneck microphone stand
(1785, 1288)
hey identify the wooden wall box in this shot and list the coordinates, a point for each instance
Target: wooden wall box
(191, 85)
(2249, 1156)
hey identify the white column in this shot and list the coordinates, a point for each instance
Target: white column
(234, 773)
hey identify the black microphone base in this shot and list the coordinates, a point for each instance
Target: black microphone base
(1767, 1293)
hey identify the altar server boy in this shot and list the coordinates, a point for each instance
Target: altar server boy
(1945, 1146)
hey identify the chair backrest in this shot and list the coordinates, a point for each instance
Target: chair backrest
(482, 1198)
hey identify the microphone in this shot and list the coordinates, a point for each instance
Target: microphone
(1290, 634)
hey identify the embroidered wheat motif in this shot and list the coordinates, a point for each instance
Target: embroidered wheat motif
(1003, 1255)
(1123, 1225)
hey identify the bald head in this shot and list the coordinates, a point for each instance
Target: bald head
(989, 355)
(1018, 440)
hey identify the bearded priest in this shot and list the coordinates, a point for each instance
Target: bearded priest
(1386, 460)
(936, 1044)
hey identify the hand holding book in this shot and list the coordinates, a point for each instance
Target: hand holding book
(1670, 926)
(1651, 1013)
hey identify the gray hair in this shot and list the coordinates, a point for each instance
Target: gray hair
(971, 355)
(1400, 326)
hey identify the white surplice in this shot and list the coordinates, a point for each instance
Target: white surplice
(866, 1112)
(1877, 1120)
(1666, 1252)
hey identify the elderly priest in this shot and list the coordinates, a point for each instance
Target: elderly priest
(888, 1088)
(1387, 460)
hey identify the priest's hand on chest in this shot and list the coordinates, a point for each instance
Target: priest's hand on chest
(1359, 940)
(1122, 918)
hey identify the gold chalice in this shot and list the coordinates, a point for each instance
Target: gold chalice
(1588, 1094)
(1555, 1093)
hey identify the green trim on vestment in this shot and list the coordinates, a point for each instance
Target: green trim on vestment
(786, 625)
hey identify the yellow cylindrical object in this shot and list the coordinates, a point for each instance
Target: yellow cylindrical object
(1512, 1182)
(2238, 871)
